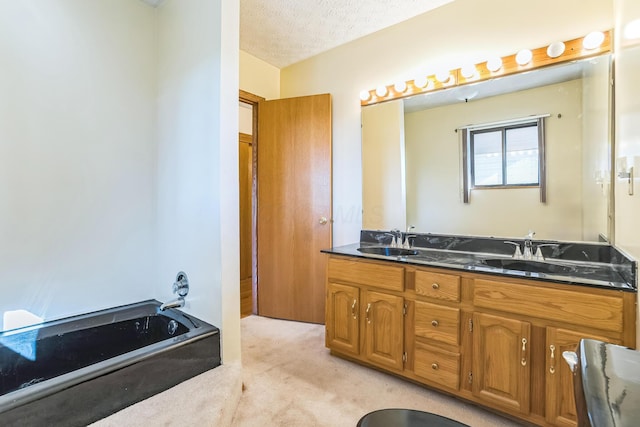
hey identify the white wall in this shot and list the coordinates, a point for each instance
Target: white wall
(627, 104)
(627, 127)
(118, 138)
(596, 153)
(444, 36)
(77, 155)
(197, 158)
(245, 118)
(258, 77)
(383, 160)
(434, 197)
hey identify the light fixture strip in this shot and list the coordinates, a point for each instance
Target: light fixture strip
(573, 50)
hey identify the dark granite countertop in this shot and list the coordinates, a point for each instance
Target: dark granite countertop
(611, 270)
(611, 383)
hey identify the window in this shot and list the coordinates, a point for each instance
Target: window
(504, 154)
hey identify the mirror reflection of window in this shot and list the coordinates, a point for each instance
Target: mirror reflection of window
(505, 156)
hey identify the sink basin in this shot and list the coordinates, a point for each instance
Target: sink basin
(386, 251)
(529, 266)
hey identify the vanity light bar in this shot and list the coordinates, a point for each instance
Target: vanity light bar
(553, 54)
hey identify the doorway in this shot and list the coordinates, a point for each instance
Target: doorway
(291, 206)
(247, 142)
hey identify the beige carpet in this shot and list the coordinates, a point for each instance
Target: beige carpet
(290, 379)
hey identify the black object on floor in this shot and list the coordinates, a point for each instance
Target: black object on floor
(406, 418)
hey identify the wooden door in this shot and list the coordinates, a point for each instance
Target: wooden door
(246, 220)
(342, 318)
(294, 206)
(560, 402)
(501, 363)
(384, 329)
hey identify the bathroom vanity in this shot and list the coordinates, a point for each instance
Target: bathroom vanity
(466, 319)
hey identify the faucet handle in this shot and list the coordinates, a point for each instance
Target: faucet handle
(407, 242)
(539, 256)
(530, 234)
(393, 239)
(181, 285)
(517, 254)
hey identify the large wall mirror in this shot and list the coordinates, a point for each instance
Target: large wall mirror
(412, 157)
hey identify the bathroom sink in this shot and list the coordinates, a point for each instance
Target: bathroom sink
(529, 266)
(387, 251)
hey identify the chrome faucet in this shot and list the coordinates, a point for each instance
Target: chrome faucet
(407, 237)
(180, 287)
(528, 245)
(517, 254)
(396, 238)
(176, 303)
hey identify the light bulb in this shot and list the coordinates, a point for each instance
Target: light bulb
(632, 30)
(494, 64)
(400, 86)
(468, 71)
(524, 57)
(593, 40)
(381, 91)
(555, 49)
(365, 95)
(421, 81)
(443, 76)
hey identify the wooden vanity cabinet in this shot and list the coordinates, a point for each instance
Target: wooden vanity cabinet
(343, 330)
(365, 311)
(563, 314)
(436, 328)
(384, 329)
(560, 401)
(501, 361)
(490, 339)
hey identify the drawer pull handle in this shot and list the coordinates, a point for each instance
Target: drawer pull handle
(434, 366)
(552, 368)
(434, 323)
(353, 309)
(523, 362)
(435, 286)
(367, 313)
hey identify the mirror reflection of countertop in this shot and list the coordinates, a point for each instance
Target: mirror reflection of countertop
(611, 383)
(609, 271)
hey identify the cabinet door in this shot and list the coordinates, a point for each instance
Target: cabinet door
(342, 318)
(384, 326)
(560, 404)
(501, 366)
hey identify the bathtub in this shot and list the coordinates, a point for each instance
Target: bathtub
(77, 370)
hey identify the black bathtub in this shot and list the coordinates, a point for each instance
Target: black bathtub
(77, 370)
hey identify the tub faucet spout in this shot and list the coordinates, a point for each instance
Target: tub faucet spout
(176, 303)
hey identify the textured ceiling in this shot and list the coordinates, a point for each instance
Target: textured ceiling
(283, 32)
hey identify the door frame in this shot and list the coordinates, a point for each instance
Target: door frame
(254, 101)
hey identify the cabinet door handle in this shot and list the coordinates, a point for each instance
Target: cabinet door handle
(367, 313)
(434, 366)
(552, 368)
(435, 286)
(523, 362)
(434, 323)
(353, 309)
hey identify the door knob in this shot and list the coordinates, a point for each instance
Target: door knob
(323, 220)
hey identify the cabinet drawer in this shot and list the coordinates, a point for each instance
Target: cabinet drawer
(437, 365)
(439, 286)
(437, 323)
(366, 273)
(598, 311)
